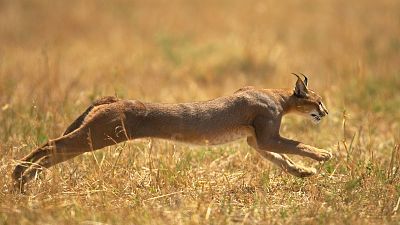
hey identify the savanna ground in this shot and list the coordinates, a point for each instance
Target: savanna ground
(58, 56)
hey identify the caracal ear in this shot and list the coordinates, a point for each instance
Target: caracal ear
(301, 88)
(305, 80)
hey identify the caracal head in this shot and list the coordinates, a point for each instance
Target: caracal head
(307, 102)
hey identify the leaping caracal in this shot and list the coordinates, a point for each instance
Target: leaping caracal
(250, 113)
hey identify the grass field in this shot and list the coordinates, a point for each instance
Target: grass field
(58, 56)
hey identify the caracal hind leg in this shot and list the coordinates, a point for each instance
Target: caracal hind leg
(104, 126)
(34, 163)
(282, 161)
(79, 121)
(270, 140)
(36, 155)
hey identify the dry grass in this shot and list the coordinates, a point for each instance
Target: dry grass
(57, 56)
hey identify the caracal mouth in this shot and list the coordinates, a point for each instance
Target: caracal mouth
(315, 118)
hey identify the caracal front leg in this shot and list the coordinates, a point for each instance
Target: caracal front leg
(282, 161)
(268, 139)
(283, 145)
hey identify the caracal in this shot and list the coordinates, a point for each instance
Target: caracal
(250, 113)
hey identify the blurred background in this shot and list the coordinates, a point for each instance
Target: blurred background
(56, 57)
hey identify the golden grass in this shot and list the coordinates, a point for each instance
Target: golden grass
(57, 56)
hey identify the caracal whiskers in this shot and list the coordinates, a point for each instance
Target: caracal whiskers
(250, 113)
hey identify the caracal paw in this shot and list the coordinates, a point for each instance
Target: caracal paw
(301, 171)
(324, 155)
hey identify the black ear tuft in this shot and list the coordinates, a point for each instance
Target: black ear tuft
(305, 79)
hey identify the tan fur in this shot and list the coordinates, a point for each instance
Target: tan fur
(250, 113)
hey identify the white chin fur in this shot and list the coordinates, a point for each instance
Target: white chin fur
(315, 121)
